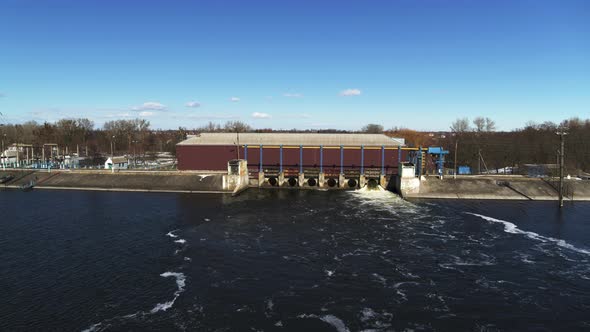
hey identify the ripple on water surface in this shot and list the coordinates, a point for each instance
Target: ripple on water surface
(301, 260)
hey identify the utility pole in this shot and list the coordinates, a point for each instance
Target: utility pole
(2, 153)
(561, 165)
(456, 168)
(479, 162)
(238, 140)
(112, 139)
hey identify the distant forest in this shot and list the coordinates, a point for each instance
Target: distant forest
(534, 143)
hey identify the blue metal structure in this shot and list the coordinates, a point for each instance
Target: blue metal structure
(419, 162)
(464, 170)
(440, 153)
(362, 159)
(301, 159)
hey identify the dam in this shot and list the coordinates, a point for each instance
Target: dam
(230, 163)
(335, 161)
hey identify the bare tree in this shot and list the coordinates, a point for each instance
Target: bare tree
(236, 127)
(460, 125)
(490, 125)
(479, 123)
(210, 127)
(372, 128)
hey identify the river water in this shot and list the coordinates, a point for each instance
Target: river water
(290, 261)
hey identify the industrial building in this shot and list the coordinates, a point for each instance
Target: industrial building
(296, 158)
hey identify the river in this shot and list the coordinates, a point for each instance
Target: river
(289, 260)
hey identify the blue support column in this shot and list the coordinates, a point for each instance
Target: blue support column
(362, 159)
(246, 152)
(300, 159)
(382, 160)
(341, 159)
(260, 169)
(419, 161)
(321, 159)
(281, 159)
(399, 154)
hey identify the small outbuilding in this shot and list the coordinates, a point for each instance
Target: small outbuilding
(117, 163)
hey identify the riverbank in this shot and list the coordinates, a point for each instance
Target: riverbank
(500, 188)
(134, 181)
(464, 187)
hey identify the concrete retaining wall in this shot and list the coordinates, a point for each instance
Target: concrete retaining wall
(512, 188)
(119, 181)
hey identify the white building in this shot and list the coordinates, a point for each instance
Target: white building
(116, 163)
(10, 156)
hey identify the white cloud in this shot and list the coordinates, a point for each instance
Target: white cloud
(350, 92)
(293, 95)
(150, 106)
(146, 113)
(259, 115)
(234, 99)
(193, 104)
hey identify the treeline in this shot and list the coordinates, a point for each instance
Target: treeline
(119, 136)
(478, 144)
(478, 147)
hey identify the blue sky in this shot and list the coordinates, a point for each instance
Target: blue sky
(296, 64)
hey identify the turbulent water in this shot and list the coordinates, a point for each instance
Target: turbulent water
(290, 260)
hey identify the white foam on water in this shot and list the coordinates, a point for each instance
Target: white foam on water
(106, 324)
(269, 304)
(336, 322)
(181, 241)
(188, 259)
(380, 278)
(513, 229)
(330, 319)
(470, 262)
(367, 313)
(93, 328)
(386, 201)
(366, 188)
(329, 273)
(180, 284)
(171, 234)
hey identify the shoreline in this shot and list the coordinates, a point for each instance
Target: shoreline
(516, 188)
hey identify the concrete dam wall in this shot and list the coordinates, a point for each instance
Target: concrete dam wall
(501, 188)
(119, 181)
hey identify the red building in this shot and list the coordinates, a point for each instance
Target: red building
(292, 152)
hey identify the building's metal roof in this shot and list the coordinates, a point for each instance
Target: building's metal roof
(293, 139)
(118, 160)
